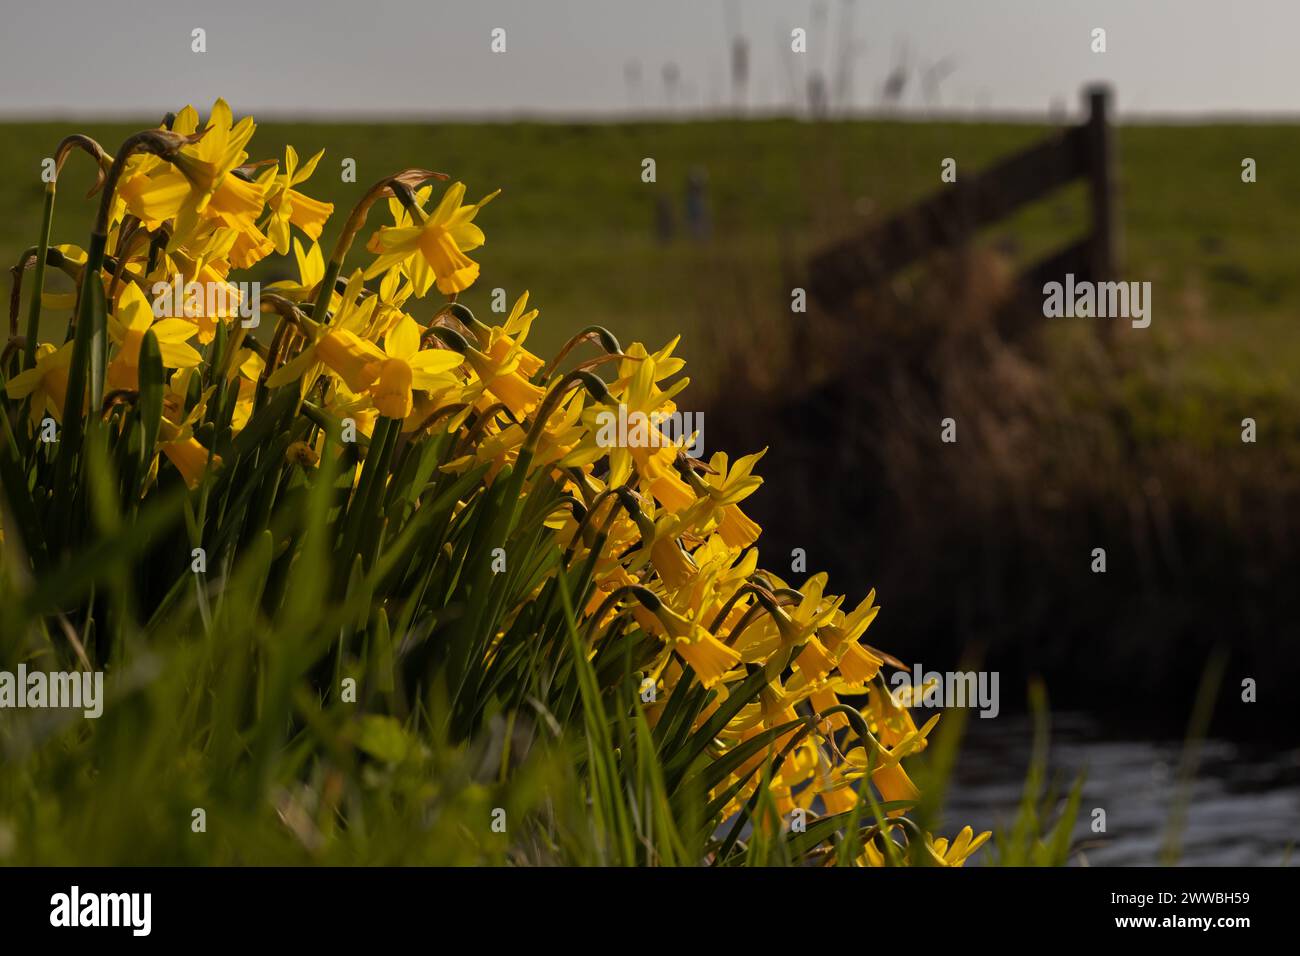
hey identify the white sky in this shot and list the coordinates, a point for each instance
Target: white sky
(571, 57)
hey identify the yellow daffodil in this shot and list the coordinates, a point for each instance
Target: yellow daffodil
(708, 657)
(207, 163)
(728, 487)
(151, 190)
(961, 849)
(134, 316)
(506, 342)
(155, 190)
(176, 437)
(245, 373)
(287, 205)
(206, 298)
(343, 352)
(503, 379)
(436, 247)
(46, 383)
(405, 366)
(341, 402)
(340, 346)
(218, 190)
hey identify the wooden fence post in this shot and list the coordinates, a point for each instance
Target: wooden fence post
(1106, 253)
(955, 213)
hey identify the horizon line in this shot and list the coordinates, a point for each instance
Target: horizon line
(645, 116)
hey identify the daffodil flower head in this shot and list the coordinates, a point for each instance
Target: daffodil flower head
(340, 346)
(207, 163)
(46, 382)
(127, 324)
(177, 441)
(960, 850)
(289, 206)
(708, 656)
(501, 376)
(434, 251)
(406, 366)
(220, 189)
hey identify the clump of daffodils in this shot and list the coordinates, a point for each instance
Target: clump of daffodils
(469, 498)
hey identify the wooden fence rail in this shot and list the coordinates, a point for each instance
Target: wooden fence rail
(952, 216)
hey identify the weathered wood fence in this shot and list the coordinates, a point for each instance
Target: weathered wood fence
(952, 216)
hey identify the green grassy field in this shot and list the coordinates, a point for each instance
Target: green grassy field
(576, 225)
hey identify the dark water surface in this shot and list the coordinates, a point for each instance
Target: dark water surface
(1242, 805)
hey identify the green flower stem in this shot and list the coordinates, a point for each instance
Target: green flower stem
(88, 355)
(38, 278)
(374, 472)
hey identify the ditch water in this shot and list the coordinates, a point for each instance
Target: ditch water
(1242, 806)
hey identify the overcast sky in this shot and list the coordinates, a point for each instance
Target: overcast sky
(583, 57)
